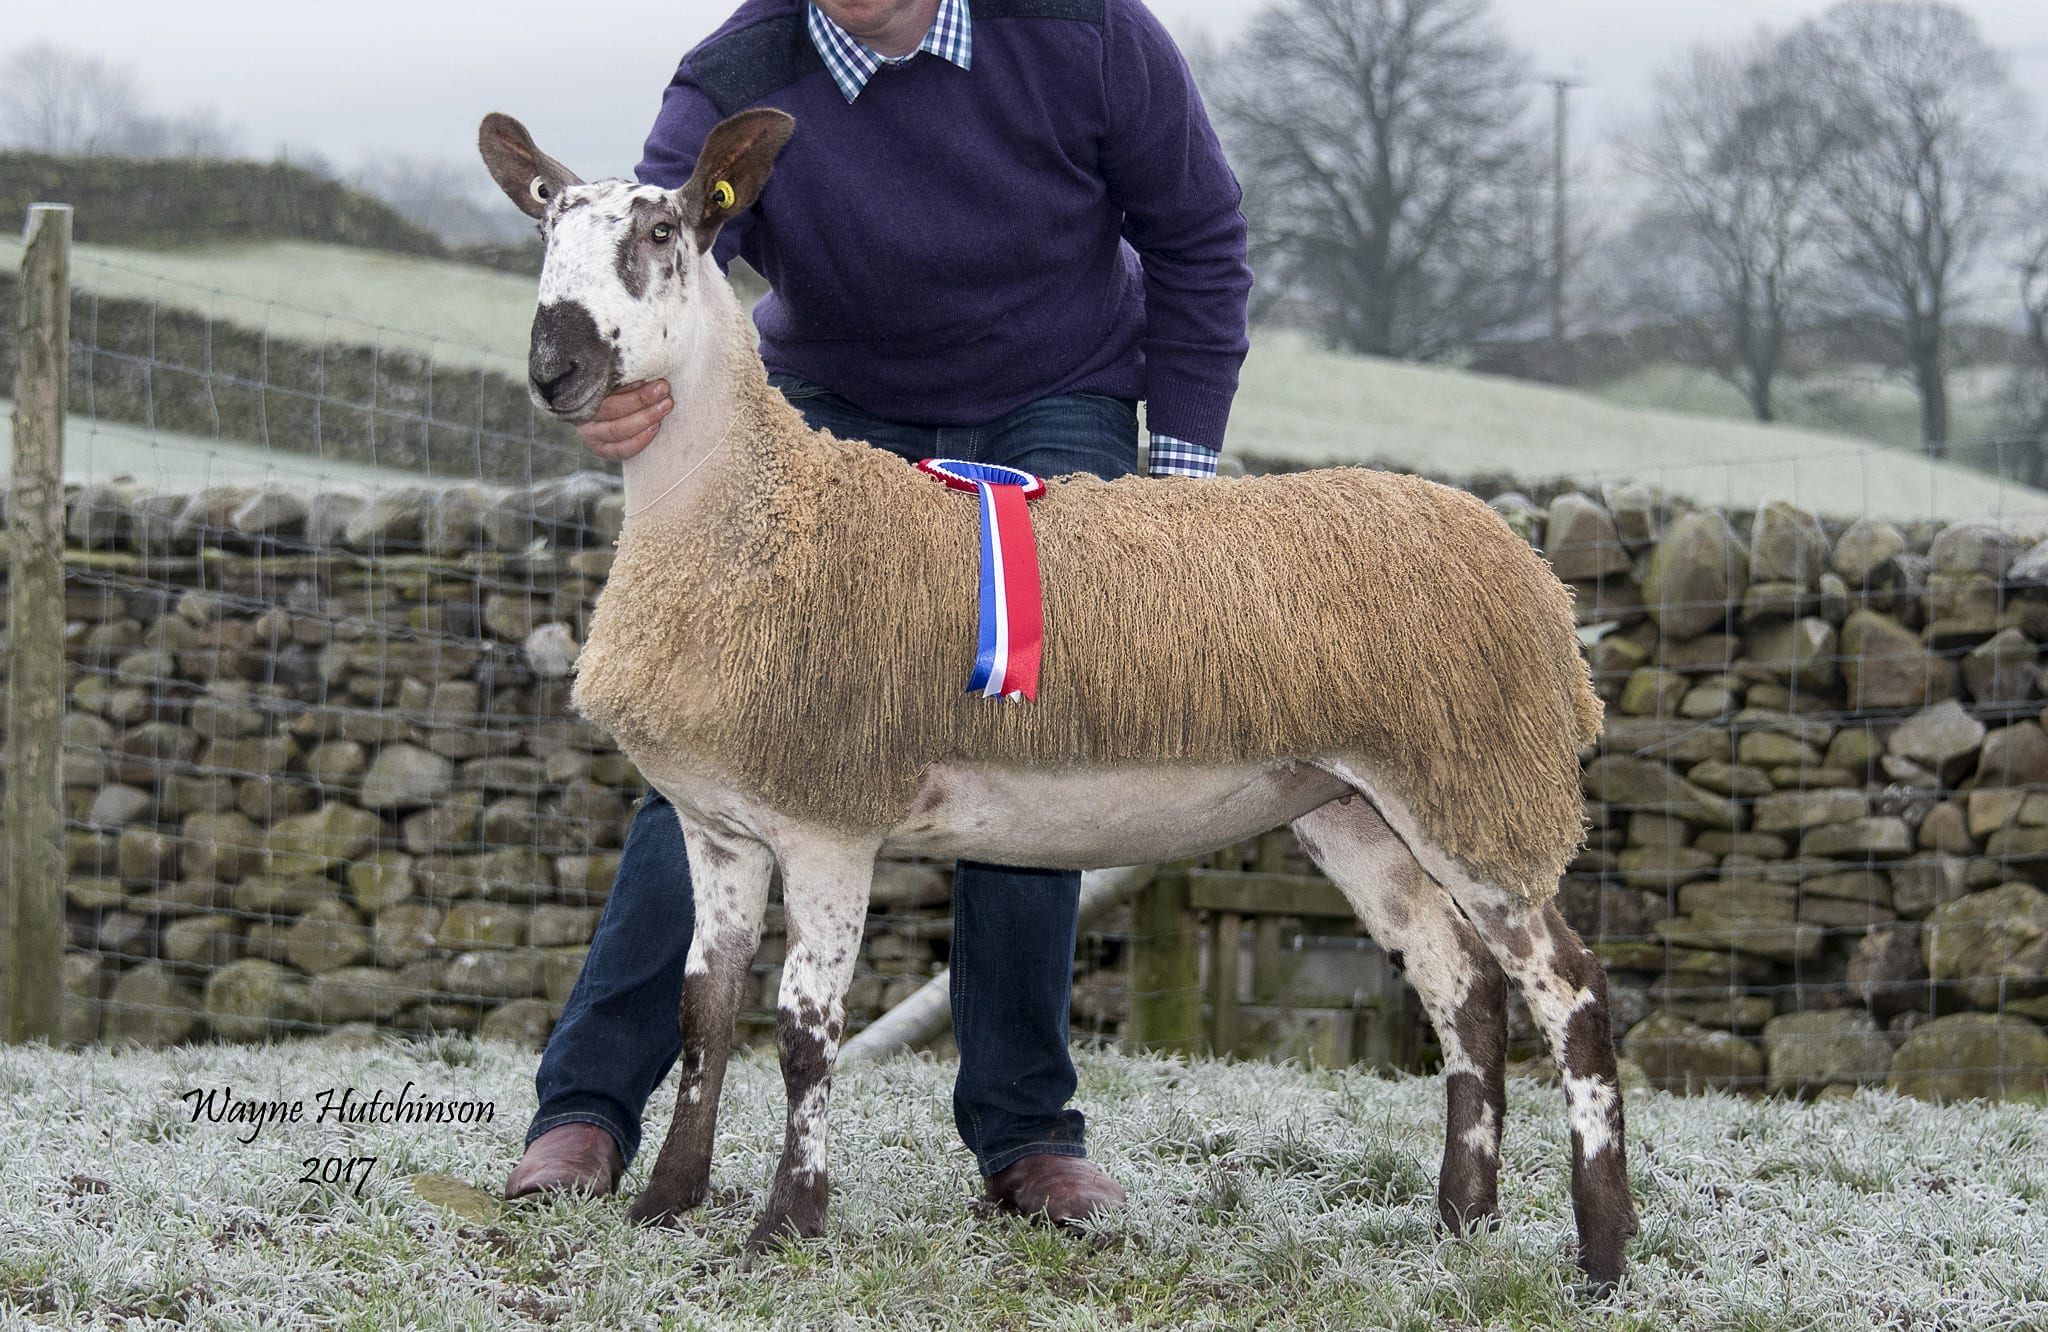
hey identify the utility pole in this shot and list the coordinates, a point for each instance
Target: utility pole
(1560, 217)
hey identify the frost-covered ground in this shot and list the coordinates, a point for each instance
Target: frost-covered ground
(1262, 1197)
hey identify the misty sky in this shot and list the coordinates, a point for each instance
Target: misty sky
(357, 78)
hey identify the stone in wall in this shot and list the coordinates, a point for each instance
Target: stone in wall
(1968, 1056)
(1678, 1055)
(1580, 540)
(1806, 1052)
(1991, 945)
(1696, 572)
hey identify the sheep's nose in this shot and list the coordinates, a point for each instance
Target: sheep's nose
(549, 376)
(565, 351)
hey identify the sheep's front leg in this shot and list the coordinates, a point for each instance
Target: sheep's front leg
(825, 895)
(729, 882)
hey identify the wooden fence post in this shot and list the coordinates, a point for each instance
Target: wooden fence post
(32, 832)
(1166, 998)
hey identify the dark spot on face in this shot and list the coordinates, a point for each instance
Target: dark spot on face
(639, 218)
(1399, 959)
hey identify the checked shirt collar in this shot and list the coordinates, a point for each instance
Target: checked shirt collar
(851, 62)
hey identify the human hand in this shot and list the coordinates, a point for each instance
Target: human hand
(627, 419)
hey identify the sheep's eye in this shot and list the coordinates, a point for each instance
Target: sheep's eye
(661, 233)
(539, 190)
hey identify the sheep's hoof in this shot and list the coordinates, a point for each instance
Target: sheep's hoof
(651, 1209)
(1603, 1271)
(1460, 1222)
(1596, 1291)
(798, 1223)
(1603, 1251)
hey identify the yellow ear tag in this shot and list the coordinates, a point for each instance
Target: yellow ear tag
(722, 195)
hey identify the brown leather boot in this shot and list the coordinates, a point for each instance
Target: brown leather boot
(571, 1158)
(1065, 1190)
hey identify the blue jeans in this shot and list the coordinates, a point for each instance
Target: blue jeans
(1013, 929)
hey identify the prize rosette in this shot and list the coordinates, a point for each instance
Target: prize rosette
(1012, 608)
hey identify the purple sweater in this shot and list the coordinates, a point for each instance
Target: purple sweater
(956, 243)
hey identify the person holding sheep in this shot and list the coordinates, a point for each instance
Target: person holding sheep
(1004, 222)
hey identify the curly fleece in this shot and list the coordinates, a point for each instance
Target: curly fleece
(805, 628)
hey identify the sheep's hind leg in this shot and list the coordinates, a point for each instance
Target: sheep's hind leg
(1462, 988)
(825, 895)
(1567, 994)
(729, 882)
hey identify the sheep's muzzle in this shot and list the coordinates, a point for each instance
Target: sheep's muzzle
(569, 365)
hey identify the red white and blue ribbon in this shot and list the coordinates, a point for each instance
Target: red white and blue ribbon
(1012, 609)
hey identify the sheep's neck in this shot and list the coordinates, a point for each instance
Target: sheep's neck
(694, 441)
(664, 484)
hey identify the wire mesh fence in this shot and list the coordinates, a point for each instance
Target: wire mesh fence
(323, 596)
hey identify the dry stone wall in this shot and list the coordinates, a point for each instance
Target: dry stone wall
(1820, 806)
(319, 769)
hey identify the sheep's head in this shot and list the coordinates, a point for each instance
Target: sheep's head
(623, 262)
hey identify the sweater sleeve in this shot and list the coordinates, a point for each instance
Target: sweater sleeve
(686, 119)
(1165, 170)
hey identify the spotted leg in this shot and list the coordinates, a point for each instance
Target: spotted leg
(729, 881)
(1462, 989)
(825, 895)
(1567, 993)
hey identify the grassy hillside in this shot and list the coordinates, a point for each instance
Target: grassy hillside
(1299, 404)
(457, 313)
(1857, 400)
(181, 201)
(1303, 404)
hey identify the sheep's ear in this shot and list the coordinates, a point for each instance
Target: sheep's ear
(528, 176)
(733, 168)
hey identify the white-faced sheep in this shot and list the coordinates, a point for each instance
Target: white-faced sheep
(1372, 658)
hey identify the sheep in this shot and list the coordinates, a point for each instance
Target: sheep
(1372, 658)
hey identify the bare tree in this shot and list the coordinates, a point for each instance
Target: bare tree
(2029, 390)
(1733, 151)
(1392, 180)
(1932, 122)
(196, 134)
(58, 101)
(453, 200)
